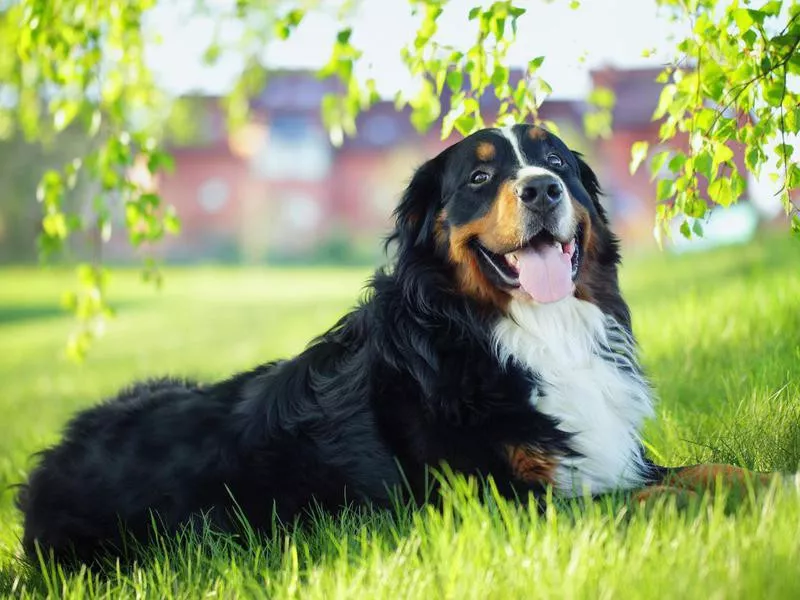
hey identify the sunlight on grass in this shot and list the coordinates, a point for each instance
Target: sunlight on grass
(720, 336)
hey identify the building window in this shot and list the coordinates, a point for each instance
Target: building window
(295, 148)
(300, 213)
(381, 130)
(213, 194)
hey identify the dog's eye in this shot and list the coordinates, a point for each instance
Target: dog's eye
(554, 160)
(479, 177)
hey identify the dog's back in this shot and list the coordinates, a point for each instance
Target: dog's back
(122, 459)
(168, 454)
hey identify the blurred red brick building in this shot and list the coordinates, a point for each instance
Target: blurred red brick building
(278, 190)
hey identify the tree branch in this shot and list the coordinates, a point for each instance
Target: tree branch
(743, 86)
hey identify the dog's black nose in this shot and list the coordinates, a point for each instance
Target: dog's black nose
(542, 192)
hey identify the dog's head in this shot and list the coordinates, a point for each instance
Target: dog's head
(516, 214)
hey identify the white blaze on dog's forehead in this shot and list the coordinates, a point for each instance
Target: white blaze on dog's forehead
(567, 218)
(508, 133)
(531, 171)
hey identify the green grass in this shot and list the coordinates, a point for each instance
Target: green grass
(720, 336)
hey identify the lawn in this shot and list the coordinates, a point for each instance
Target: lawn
(720, 336)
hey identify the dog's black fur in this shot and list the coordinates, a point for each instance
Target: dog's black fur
(406, 381)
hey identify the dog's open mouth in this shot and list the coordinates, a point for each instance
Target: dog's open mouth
(544, 267)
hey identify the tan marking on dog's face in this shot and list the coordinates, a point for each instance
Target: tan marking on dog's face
(486, 151)
(440, 229)
(499, 230)
(537, 133)
(586, 279)
(530, 464)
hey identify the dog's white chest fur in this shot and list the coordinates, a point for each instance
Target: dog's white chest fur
(589, 383)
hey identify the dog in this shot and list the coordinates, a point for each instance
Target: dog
(496, 342)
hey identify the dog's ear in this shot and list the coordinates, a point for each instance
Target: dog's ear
(590, 184)
(415, 216)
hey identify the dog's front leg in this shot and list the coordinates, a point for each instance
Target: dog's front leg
(688, 482)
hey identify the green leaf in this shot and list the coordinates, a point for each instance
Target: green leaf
(500, 76)
(158, 161)
(784, 41)
(55, 225)
(69, 300)
(449, 120)
(703, 163)
(726, 129)
(343, 37)
(214, 50)
(455, 79)
(534, 64)
(676, 162)
(738, 184)
(713, 80)
(638, 154)
(774, 92)
(64, 115)
(602, 97)
(785, 151)
(465, 124)
(793, 180)
(172, 224)
(663, 190)
(704, 118)
(663, 76)
(722, 154)
(425, 106)
(721, 192)
(772, 8)
(658, 161)
(794, 63)
(471, 105)
(749, 37)
(753, 159)
(597, 124)
(294, 17)
(665, 101)
(757, 15)
(694, 206)
(498, 27)
(540, 90)
(440, 79)
(50, 188)
(744, 20)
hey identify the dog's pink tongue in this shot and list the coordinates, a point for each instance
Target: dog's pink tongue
(545, 273)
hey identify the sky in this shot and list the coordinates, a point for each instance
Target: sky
(597, 33)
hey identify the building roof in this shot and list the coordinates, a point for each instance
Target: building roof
(637, 93)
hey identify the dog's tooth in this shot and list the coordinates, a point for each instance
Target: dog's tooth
(511, 259)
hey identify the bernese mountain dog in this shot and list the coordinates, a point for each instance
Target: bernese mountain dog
(496, 342)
